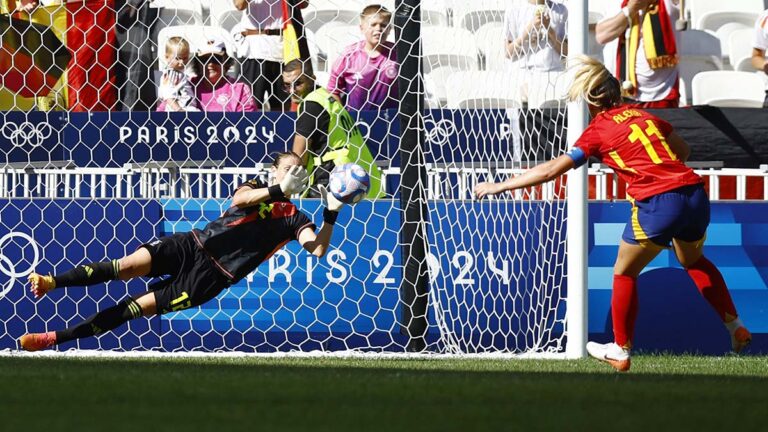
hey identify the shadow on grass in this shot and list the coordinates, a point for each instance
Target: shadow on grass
(372, 395)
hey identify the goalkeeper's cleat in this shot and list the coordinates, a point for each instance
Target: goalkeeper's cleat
(612, 354)
(40, 285)
(740, 339)
(37, 341)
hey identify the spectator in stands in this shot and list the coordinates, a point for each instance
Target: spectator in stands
(364, 77)
(214, 90)
(175, 92)
(646, 64)
(260, 44)
(326, 135)
(536, 35)
(759, 46)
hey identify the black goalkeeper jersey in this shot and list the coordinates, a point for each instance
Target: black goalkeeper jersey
(242, 238)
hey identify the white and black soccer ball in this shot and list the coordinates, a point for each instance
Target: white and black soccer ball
(349, 183)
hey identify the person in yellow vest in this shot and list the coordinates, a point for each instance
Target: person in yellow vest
(326, 135)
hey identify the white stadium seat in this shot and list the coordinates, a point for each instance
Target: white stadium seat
(724, 35)
(322, 12)
(699, 51)
(448, 46)
(472, 15)
(712, 21)
(728, 89)
(697, 9)
(435, 86)
(483, 89)
(332, 39)
(221, 12)
(491, 43)
(740, 48)
(169, 16)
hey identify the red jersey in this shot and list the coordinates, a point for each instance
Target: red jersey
(633, 143)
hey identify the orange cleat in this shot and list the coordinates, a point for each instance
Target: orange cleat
(740, 339)
(40, 285)
(37, 341)
(612, 354)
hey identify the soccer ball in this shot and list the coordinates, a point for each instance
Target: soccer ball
(349, 183)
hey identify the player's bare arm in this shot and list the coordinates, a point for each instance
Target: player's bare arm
(537, 175)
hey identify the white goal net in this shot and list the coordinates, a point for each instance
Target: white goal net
(92, 169)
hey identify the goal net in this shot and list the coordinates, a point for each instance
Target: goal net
(92, 169)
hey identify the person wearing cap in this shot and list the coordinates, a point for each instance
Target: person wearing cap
(260, 46)
(215, 91)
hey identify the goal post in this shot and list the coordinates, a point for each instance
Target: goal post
(577, 316)
(427, 268)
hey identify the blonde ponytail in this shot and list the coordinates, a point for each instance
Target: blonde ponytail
(594, 83)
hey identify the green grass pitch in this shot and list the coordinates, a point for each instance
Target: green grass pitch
(332, 394)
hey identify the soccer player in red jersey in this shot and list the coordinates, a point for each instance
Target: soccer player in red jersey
(669, 203)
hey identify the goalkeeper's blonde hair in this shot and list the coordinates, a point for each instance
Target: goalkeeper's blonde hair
(594, 83)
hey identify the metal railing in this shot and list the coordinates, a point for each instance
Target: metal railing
(208, 179)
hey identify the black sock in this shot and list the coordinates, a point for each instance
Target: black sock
(89, 274)
(103, 321)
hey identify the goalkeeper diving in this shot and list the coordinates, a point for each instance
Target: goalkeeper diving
(203, 262)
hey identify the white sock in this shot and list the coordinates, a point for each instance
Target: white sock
(733, 325)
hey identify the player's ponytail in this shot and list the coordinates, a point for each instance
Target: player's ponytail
(594, 83)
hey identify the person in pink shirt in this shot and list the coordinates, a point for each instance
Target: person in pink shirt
(364, 77)
(216, 91)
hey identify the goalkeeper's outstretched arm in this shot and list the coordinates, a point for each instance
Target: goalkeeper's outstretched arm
(537, 175)
(317, 244)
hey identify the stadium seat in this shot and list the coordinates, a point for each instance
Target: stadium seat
(697, 9)
(436, 12)
(435, 86)
(740, 48)
(196, 35)
(724, 35)
(685, 97)
(728, 89)
(332, 39)
(699, 52)
(322, 12)
(229, 19)
(482, 89)
(472, 15)
(491, 44)
(168, 16)
(448, 46)
(713, 21)
(545, 89)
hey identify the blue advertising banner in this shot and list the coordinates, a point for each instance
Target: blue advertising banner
(350, 298)
(111, 139)
(33, 136)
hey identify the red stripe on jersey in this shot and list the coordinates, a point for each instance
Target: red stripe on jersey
(279, 210)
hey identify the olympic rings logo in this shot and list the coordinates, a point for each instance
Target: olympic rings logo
(439, 132)
(7, 266)
(26, 133)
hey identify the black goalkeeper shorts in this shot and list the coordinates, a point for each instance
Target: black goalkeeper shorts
(193, 278)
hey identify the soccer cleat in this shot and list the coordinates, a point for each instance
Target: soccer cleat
(740, 339)
(610, 353)
(37, 341)
(40, 285)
